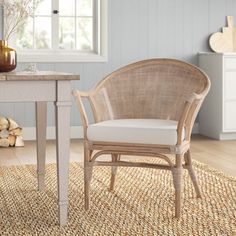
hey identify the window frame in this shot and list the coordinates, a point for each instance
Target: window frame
(99, 54)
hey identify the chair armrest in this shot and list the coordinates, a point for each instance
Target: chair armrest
(187, 116)
(81, 93)
(78, 94)
(195, 96)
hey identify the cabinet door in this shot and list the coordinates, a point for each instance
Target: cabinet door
(230, 85)
(230, 116)
(230, 63)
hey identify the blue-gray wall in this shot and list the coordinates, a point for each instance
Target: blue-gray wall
(140, 29)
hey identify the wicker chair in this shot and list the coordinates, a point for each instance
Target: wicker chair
(147, 108)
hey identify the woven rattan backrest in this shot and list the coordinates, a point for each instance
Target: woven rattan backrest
(156, 88)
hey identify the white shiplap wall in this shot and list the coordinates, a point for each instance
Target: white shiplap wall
(140, 29)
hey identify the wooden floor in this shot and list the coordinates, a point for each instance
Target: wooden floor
(217, 154)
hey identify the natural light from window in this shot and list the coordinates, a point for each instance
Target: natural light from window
(60, 25)
(64, 31)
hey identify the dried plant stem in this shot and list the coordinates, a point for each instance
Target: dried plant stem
(16, 13)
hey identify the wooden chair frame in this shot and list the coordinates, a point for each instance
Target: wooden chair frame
(92, 150)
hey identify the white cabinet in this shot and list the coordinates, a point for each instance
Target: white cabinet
(217, 118)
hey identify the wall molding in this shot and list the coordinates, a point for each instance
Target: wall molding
(29, 133)
(76, 132)
(196, 128)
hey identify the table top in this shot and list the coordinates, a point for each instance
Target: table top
(39, 75)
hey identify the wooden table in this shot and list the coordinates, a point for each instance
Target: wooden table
(43, 87)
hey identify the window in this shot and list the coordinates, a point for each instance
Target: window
(64, 30)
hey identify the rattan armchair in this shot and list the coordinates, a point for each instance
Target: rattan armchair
(147, 108)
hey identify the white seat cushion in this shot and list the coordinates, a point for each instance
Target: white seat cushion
(141, 131)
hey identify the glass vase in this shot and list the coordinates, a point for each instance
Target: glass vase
(8, 57)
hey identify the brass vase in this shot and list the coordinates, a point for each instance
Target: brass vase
(8, 57)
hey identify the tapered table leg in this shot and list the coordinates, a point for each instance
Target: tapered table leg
(63, 106)
(41, 126)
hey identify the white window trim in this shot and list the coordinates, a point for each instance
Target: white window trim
(74, 55)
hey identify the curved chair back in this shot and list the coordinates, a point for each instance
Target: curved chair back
(150, 89)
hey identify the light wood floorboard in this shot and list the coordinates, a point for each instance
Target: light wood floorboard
(218, 154)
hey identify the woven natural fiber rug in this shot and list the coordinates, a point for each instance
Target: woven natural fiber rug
(141, 204)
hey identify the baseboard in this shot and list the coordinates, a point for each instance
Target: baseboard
(29, 133)
(227, 136)
(196, 128)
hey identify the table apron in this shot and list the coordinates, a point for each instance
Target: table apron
(32, 91)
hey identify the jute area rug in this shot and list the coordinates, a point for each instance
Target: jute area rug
(141, 204)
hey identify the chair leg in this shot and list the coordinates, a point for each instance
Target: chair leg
(115, 157)
(177, 178)
(88, 171)
(188, 163)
